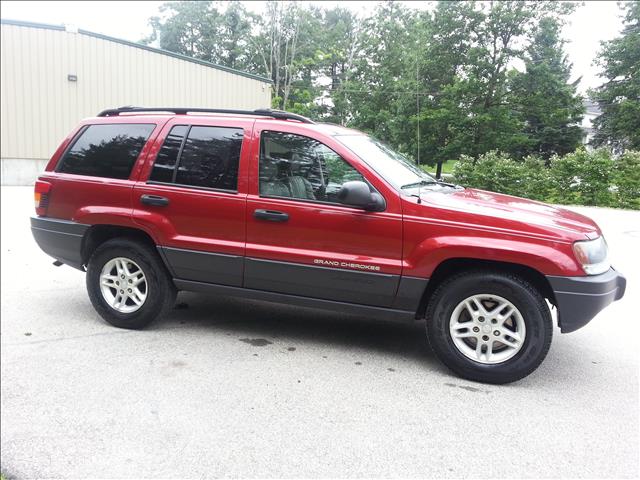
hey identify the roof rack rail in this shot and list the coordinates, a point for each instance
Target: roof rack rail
(263, 112)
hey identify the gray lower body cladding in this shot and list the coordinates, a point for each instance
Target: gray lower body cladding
(204, 266)
(304, 285)
(60, 239)
(378, 295)
(579, 299)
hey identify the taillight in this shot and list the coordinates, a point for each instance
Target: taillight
(41, 197)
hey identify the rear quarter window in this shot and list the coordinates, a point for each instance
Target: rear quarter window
(106, 150)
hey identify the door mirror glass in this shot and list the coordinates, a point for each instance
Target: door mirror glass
(358, 194)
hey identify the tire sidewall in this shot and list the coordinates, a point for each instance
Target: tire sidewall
(154, 274)
(537, 324)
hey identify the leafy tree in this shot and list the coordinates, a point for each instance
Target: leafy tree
(338, 47)
(205, 31)
(619, 97)
(444, 44)
(500, 31)
(548, 106)
(379, 90)
(434, 84)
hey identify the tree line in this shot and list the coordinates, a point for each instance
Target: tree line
(463, 78)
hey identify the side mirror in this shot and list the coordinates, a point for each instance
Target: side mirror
(358, 194)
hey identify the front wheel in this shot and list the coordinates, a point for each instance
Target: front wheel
(489, 327)
(128, 284)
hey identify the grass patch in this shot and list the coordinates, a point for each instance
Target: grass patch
(447, 167)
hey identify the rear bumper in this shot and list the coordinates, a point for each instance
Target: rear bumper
(60, 239)
(579, 299)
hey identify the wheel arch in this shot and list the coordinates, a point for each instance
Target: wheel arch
(454, 266)
(97, 234)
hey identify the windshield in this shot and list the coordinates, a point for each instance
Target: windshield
(398, 170)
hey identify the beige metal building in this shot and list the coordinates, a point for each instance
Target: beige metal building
(53, 76)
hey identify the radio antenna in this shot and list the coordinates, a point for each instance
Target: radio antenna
(418, 116)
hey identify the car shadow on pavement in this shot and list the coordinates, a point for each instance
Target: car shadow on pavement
(257, 320)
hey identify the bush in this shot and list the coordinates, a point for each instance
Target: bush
(583, 178)
(497, 172)
(579, 178)
(492, 171)
(627, 180)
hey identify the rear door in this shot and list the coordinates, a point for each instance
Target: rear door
(300, 239)
(192, 197)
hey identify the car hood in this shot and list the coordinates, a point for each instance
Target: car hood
(508, 212)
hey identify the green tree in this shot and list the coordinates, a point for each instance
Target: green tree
(500, 32)
(434, 84)
(619, 97)
(549, 108)
(379, 80)
(338, 47)
(285, 49)
(206, 31)
(443, 41)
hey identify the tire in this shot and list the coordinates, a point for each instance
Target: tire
(157, 287)
(448, 314)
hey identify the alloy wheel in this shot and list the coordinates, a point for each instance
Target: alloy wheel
(123, 285)
(487, 328)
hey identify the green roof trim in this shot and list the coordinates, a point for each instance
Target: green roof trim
(46, 26)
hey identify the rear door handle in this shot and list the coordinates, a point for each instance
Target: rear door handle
(154, 200)
(271, 215)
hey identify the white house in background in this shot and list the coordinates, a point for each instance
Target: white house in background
(53, 76)
(592, 110)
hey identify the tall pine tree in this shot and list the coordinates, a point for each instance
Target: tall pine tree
(619, 97)
(549, 108)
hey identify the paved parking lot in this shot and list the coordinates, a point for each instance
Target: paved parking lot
(247, 389)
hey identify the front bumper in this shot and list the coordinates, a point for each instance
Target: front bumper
(61, 239)
(579, 299)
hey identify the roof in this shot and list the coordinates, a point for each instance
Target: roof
(591, 107)
(20, 23)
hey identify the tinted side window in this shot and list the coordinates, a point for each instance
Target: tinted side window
(210, 158)
(165, 163)
(300, 167)
(106, 150)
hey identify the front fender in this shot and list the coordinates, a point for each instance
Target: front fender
(548, 258)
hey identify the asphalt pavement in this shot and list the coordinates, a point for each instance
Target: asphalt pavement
(236, 388)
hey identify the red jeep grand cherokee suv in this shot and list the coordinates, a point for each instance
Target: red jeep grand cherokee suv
(272, 206)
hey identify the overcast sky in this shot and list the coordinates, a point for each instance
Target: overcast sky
(591, 23)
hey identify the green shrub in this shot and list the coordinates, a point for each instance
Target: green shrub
(497, 172)
(579, 178)
(626, 172)
(493, 171)
(536, 182)
(583, 178)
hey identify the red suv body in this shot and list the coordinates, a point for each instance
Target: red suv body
(272, 206)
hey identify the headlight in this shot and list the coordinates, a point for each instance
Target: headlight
(592, 255)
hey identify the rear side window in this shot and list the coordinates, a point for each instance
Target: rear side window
(208, 158)
(165, 164)
(106, 150)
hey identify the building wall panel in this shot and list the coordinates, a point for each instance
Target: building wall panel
(39, 105)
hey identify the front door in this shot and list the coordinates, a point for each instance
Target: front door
(192, 198)
(300, 239)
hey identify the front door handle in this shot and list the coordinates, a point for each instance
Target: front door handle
(271, 215)
(154, 200)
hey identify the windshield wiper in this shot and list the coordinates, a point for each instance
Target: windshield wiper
(421, 183)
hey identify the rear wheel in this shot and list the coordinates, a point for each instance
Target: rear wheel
(128, 284)
(489, 326)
